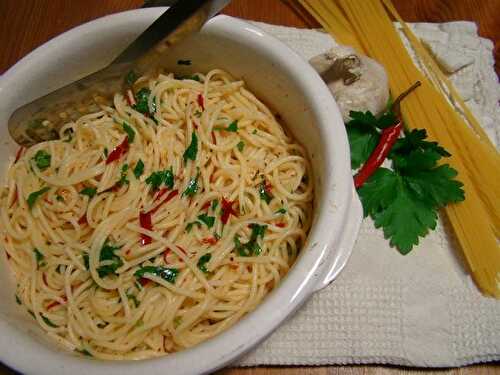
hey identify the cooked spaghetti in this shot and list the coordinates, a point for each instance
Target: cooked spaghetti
(159, 221)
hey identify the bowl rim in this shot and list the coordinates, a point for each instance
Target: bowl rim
(257, 325)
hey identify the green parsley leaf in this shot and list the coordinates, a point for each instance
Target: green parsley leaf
(130, 132)
(59, 198)
(18, 300)
(263, 192)
(105, 151)
(363, 141)
(254, 131)
(131, 77)
(251, 248)
(123, 176)
(189, 227)
(192, 187)
(405, 219)
(139, 169)
(215, 203)
(240, 146)
(86, 260)
(192, 150)
(48, 321)
(197, 113)
(89, 192)
(282, 211)
(379, 191)
(202, 262)
(42, 159)
(168, 274)
(84, 352)
(142, 98)
(232, 127)
(177, 321)
(156, 179)
(35, 195)
(108, 254)
(207, 220)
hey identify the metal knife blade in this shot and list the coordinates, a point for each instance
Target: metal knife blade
(42, 119)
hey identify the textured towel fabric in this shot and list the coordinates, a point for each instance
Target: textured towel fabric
(421, 309)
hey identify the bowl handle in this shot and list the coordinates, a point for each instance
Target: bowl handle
(346, 243)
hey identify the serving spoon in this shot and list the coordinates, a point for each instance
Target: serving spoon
(41, 119)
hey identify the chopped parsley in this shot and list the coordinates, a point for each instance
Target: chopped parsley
(156, 179)
(192, 150)
(48, 321)
(264, 193)
(108, 254)
(215, 203)
(177, 321)
(42, 159)
(197, 113)
(86, 261)
(207, 220)
(84, 352)
(105, 151)
(59, 198)
(167, 274)
(192, 187)
(282, 211)
(89, 192)
(35, 195)
(139, 169)
(232, 127)
(131, 77)
(202, 262)
(18, 300)
(134, 299)
(183, 62)
(142, 98)
(123, 176)
(240, 146)
(251, 248)
(130, 132)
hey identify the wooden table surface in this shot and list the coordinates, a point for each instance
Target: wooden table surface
(26, 24)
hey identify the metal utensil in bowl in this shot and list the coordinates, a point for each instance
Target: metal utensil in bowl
(41, 119)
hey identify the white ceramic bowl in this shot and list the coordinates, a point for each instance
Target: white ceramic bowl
(280, 78)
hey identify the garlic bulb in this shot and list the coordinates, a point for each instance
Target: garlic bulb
(357, 82)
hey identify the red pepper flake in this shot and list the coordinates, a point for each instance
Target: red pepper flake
(160, 193)
(55, 303)
(16, 197)
(143, 281)
(8, 255)
(44, 277)
(268, 188)
(227, 210)
(206, 205)
(165, 254)
(181, 249)
(146, 223)
(214, 140)
(48, 202)
(128, 252)
(171, 195)
(83, 220)
(130, 98)
(201, 102)
(209, 240)
(19, 154)
(118, 151)
(280, 224)
(195, 125)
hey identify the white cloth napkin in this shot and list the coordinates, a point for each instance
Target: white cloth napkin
(421, 309)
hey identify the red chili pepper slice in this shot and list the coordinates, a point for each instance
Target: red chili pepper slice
(165, 254)
(143, 281)
(161, 193)
(206, 205)
(201, 102)
(171, 195)
(146, 223)
(280, 224)
(118, 151)
(227, 210)
(83, 220)
(209, 240)
(19, 154)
